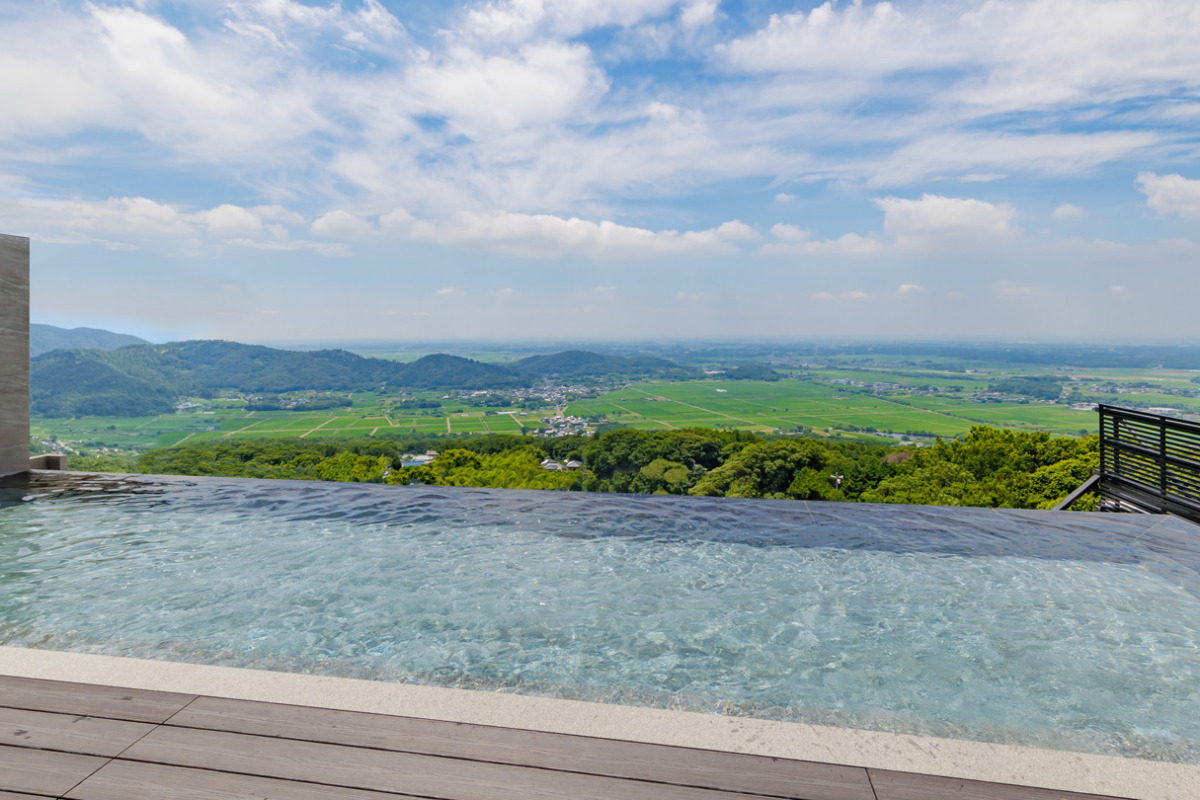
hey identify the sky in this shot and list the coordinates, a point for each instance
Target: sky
(277, 170)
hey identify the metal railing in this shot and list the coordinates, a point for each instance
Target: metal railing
(1148, 463)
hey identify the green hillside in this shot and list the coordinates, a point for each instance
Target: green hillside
(145, 380)
(44, 338)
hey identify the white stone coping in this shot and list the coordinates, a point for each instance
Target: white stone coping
(1027, 766)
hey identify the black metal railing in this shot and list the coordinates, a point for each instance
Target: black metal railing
(1149, 463)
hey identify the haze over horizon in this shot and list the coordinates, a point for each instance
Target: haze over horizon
(274, 171)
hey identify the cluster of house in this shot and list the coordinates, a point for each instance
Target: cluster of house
(557, 466)
(410, 460)
(563, 426)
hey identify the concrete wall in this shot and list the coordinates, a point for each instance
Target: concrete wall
(14, 354)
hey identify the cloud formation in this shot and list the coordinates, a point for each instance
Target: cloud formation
(935, 222)
(1171, 194)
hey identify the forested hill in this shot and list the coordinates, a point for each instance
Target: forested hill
(583, 364)
(44, 338)
(148, 379)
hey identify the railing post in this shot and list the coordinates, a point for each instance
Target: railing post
(1162, 463)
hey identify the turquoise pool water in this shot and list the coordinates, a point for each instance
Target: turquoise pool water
(1058, 630)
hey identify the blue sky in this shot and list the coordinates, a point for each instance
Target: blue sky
(275, 170)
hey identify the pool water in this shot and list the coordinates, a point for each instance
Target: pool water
(1071, 631)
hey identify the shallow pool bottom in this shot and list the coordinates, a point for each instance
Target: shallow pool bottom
(1054, 630)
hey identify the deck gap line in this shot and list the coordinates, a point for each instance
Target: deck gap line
(283, 779)
(271, 777)
(871, 783)
(469, 759)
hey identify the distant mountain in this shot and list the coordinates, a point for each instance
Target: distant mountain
(584, 364)
(44, 338)
(150, 378)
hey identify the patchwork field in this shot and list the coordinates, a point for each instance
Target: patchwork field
(842, 398)
(825, 409)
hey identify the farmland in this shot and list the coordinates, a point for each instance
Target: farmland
(849, 397)
(815, 407)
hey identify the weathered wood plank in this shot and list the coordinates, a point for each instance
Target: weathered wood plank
(88, 699)
(43, 771)
(122, 780)
(74, 734)
(911, 786)
(675, 765)
(402, 773)
(17, 796)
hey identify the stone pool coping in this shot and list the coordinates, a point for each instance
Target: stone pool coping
(1049, 769)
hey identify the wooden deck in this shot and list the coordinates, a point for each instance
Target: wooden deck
(74, 740)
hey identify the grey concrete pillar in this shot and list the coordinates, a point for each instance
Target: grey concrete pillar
(14, 354)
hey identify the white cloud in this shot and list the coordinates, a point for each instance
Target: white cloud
(1011, 53)
(1119, 289)
(340, 224)
(449, 292)
(1050, 153)
(699, 13)
(1171, 194)
(792, 240)
(548, 236)
(543, 82)
(1067, 211)
(864, 39)
(277, 213)
(910, 288)
(521, 19)
(276, 21)
(935, 222)
(784, 197)
(229, 220)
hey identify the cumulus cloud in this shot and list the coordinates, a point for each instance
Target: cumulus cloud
(340, 224)
(793, 240)
(910, 288)
(1171, 194)
(449, 292)
(1067, 211)
(229, 219)
(549, 236)
(934, 221)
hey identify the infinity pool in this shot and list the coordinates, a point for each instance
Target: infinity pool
(1070, 631)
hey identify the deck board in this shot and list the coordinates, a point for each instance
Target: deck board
(43, 771)
(90, 700)
(69, 733)
(676, 765)
(122, 780)
(387, 771)
(909, 786)
(102, 743)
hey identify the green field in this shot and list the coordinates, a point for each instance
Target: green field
(929, 402)
(825, 409)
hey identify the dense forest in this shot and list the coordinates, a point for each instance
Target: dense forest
(143, 380)
(987, 467)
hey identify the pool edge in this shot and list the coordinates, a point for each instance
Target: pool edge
(1137, 779)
